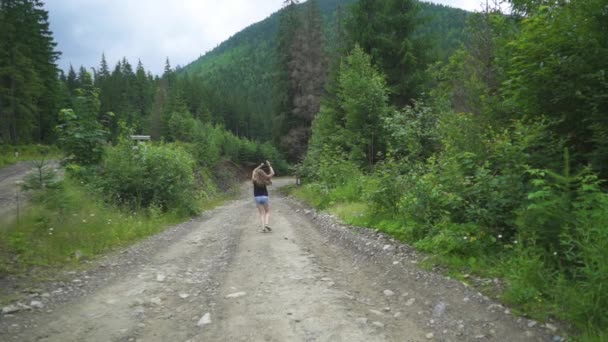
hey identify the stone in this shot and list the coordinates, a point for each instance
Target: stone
(439, 309)
(376, 312)
(156, 301)
(206, 319)
(551, 327)
(532, 323)
(184, 295)
(389, 293)
(36, 304)
(236, 294)
(160, 277)
(410, 302)
(430, 336)
(397, 315)
(10, 309)
(378, 324)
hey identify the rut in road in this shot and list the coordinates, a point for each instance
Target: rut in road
(217, 278)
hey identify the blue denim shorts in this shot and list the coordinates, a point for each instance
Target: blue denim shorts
(261, 200)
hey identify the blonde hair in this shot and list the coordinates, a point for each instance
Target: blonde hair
(261, 178)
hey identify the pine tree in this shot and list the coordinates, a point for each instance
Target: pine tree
(72, 80)
(28, 73)
(302, 66)
(384, 30)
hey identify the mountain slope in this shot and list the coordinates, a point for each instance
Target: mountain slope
(238, 74)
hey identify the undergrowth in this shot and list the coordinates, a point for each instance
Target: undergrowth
(10, 154)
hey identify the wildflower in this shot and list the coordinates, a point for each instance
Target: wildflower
(92, 215)
(51, 229)
(465, 237)
(500, 236)
(84, 221)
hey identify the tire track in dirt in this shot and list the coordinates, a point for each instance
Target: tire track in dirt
(217, 278)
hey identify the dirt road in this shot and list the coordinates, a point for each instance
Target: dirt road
(10, 197)
(8, 188)
(217, 278)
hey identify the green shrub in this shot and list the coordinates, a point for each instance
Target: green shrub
(581, 290)
(68, 222)
(455, 240)
(148, 175)
(529, 281)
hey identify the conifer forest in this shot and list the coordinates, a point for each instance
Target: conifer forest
(479, 138)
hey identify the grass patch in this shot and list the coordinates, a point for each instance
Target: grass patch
(10, 154)
(67, 224)
(356, 214)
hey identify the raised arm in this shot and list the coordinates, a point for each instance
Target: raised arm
(254, 170)
(271, 169)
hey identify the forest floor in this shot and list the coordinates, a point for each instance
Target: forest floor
(218, 278)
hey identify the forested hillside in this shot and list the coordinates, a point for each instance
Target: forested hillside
(240, 74)
(478, 138)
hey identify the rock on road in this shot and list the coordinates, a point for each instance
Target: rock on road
(218, 278)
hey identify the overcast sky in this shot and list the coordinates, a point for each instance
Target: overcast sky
(152, 30)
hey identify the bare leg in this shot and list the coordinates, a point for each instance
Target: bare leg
(266, 214)
(262, 211)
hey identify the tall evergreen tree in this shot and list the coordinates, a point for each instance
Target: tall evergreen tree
(72, 80)
(28, 73)
(301, 77)
(385, 29)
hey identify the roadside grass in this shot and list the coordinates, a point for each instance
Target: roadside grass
(67, 224)
(523, 281)
(10, 154)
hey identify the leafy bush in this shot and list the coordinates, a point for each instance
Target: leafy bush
(529, 280)
(148, 175)
(454, 239)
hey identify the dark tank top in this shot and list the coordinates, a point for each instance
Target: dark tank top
(259, 190)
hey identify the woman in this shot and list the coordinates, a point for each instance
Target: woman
(260, 179)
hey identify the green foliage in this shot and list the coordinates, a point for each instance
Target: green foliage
(581, 292)
(239, 77)
(68, 223)
(385, 31)
(364, 100)
(42, 177)
(79, 132)
(529, 281)
(146, 176)
(411, 133)
(28, 74)
(10, 154)
(557, 67)
(80, 138)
